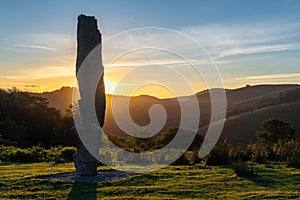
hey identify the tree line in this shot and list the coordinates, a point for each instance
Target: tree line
(27, 120)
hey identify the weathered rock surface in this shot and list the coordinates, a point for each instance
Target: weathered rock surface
(88, 37)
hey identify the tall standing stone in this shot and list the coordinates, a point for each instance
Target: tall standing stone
(88, 37)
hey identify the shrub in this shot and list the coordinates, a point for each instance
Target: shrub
(273, 130)
(182, 160)
(241, 153)
(293, 161)
(292, 152)
(281, 151)
(36, 154)
(193, 157)
(260, 152)
(66, 155)
(20, 155)
(244, 169)
(220, 154)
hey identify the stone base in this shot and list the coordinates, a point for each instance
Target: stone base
(85, 168)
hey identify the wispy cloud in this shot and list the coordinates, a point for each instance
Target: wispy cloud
(31, 86)
(36, 47)
(59, 43)
(223, 42)
(271, 76)
(230, 40)
(257, 49)
(43, 72)
(19, 62)
(220, 40)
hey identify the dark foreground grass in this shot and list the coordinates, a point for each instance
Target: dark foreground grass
(274, 181)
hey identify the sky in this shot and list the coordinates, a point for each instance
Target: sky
(250, 42)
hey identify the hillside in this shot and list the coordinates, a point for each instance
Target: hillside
(254, 92)
(241, 128)
(60, 99)
(246, 106)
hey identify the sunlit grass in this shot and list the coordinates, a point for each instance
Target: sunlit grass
(175, 182)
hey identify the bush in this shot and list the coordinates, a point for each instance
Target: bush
(66, 155)
(36, 154)
(293, 161)
(242, 153)
(220, 154)
(244, 169)
(193, 157)
(20, 155)
(292, 151)
(260, 152)
(182, 160)
(282, 151)
(274, 130)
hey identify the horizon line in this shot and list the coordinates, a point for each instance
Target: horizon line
(201, 91)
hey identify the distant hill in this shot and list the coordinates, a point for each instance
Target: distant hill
(258, 91)
(247, 108)
(239, 95)
(242, 128)
(60, 99)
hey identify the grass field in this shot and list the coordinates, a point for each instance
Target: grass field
(274, 181)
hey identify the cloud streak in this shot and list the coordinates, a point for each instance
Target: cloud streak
(220, 40)
(224, 43)
(271, 77)
(37, 47)
(240, 39)
(44, 72)
(257, 49)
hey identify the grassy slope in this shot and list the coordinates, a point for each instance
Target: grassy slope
(241, 128)
(19, 181)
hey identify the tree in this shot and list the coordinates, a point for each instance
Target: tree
(274, 130)
(27, 119)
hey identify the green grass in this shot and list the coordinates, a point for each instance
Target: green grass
(274, 181)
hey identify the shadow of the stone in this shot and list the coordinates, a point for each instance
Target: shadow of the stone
(83, 190)
(85, 187)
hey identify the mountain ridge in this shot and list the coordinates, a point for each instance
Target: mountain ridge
(240, 100)
(64, 94)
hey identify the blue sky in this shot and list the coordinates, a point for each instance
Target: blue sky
(252, 42)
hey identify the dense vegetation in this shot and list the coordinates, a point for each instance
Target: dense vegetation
(27, 120)
(31, 131)
(275, 142)
(36, 154)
